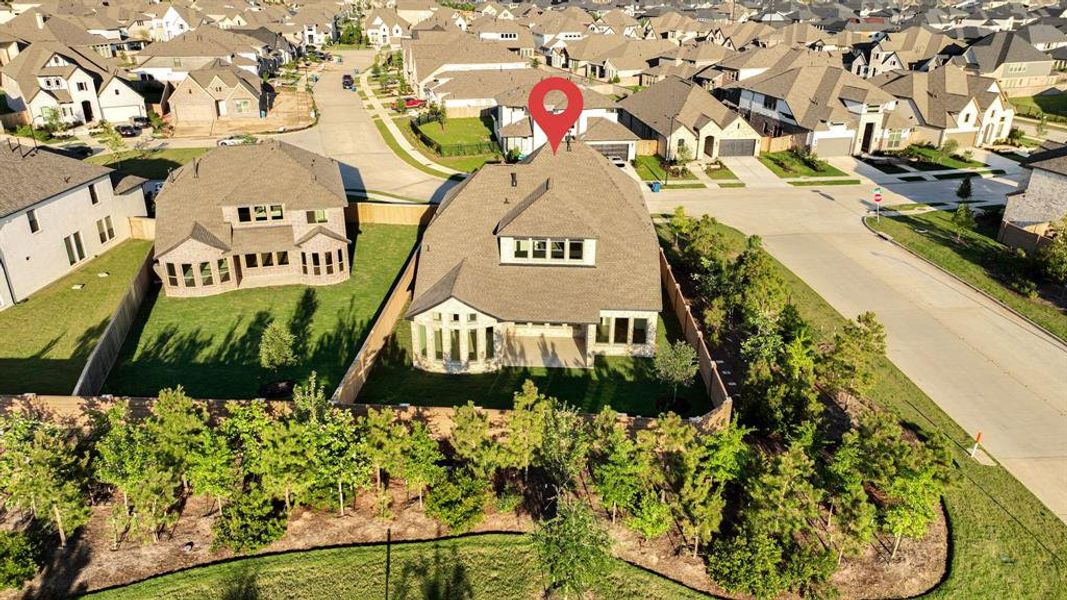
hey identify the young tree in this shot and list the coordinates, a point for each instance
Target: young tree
(113, 141)
(676, 365)
(707, 466)
(963, 192)
(851, 364)
(963, 219)
(782, 500)
(118, 461)
(749, 563)
(176, 419)
(276, 347)
(340, 455)
(458, 500)
(650, 516)
(18, 559)
(250, 523)
(422, 460)
(851, 512)
(617, 476)
(52, 123)
(752, 287)
(310, 403)
(564, 444)
(212, 468)
(525, 428)
(573, 549)
(286, 466)
(472, 442)
(384, 442)
(535, 62)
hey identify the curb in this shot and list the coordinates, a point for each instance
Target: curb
(1048, 334)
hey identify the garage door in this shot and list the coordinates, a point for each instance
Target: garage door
(737, 147)
(619, 151)
(833, 147)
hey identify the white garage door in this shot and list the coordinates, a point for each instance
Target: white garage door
(619, 151)
(737, 147)
(833, 147)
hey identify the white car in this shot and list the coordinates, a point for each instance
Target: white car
(237, 140)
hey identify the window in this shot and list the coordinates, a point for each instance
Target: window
(895, 138)
(558, 248)
(172, 275)
(276, 212)
(267, 259)
(315, 264)
(261, 212)
(118, 92)
(490, 341)
(81, 86)
(770, 102)
(316, 216)
(435, 316)
(472, 344)
(93, 198)
(78, 245)
(304, 262)
(329, 263)
(244, 214)
(35, 226)
(640, 331)
(1016, 68)
(423, 349)
(241, 106)
(251, 261)
(187, 274)
(540, 248)
(340, 260)
(622, 326)
(576, 247)
(455, 317)
(472, 317)
(453, 337)
(438, 344)
(205, 274)
(283, 259)
(603, 330)
(522, 248)
(224, 270)
(110, 228)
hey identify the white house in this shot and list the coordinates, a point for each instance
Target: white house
(55, 214)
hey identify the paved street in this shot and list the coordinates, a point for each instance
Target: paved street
(988, 369)
(346, 133)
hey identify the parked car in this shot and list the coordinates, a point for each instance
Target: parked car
(347, 82)
(78, 151)
(128, 131)
(141, 122)
(414, 103)
(237, 140)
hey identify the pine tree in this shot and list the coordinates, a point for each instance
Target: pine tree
(472, 442)
(422, 460)
(525, 428)
(851, 366)
(573, 549)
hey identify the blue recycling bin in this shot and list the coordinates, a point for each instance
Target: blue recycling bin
(656, 186)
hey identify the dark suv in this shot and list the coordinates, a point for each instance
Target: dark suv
(347, 82)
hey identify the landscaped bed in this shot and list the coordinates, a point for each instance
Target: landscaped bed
(150, 164)
(979, 259)
(465, 163)
(788, 164)
(886, 167)
(626, 384)
(721, 172)
(48, 338)
(210, 345)
(935, 159)
(652, 168)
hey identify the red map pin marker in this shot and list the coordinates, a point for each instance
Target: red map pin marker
(555, 125)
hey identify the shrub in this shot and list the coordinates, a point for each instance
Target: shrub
(18, 559)
(276, 347)
(509, 499)
(458, 500)
(950, 147)
(249, 523)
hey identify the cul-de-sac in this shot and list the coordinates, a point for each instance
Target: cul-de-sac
(551, 299)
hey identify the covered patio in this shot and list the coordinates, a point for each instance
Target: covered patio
(541, 350)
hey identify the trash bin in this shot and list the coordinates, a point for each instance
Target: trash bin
(656, 186)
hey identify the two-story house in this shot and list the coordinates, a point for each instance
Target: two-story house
(74, 85)
(56, 213)
(548, 262)
(221, 225)
(385, 28)
(1006, 56)
(217, 91)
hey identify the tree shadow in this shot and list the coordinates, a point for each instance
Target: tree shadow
(61, 567)
(241, 585)
(300, 323)
(434, 577)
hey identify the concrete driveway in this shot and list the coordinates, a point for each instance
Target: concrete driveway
(988, 369)
(752, 172)
(347, 134)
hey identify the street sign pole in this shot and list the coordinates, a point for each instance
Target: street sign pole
(878, 204)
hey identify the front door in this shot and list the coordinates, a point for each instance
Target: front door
(709, 146)
(221, 105)
(868, 137)
(87, 111)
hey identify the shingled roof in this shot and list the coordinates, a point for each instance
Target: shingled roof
(29, 175)
(685, 102)
(573, 192)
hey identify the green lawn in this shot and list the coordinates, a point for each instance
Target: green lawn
(151, 164)
(211, 345)
(48, 338)
(968, 261)
(720, 173)
(484, 566)
(1053, 104)
(933, 159)
(650, 168)
(390, 141)
(818, 182)
(787, 165)
(627, 384)
(1005, 543)
(732, 184)
(466, 163)
(471, 130)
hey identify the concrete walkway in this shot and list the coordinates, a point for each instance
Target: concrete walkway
(990, 370)
(752, 172)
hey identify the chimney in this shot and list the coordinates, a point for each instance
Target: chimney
(514, 179)
(39, 16)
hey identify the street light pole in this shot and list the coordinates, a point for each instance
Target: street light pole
(667, 170)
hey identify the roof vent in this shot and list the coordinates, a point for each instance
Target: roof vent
(514, 180)
(548, 184)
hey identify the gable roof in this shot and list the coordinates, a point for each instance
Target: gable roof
(684, 102)
(28, 175)
(939, 94)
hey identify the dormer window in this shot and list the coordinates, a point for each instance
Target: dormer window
(561, 251)
(260, 213)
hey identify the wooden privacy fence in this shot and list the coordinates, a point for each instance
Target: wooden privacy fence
(709, 372)
(358, 372)
(142, 228)
(647, 147)
(14, 120)
(106, 350)
(390, 213)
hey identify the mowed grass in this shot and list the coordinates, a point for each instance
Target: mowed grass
(967, 260)
(467, 164)
(210, 345)
(150, 164)
(626, 384)
(390, 141)
(499, 566)
(1005, 542)
(1053, 104)
(787, 165)
(722, 172)
(47, 339)
(651, 168)
(933, 159)
(468, 130)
